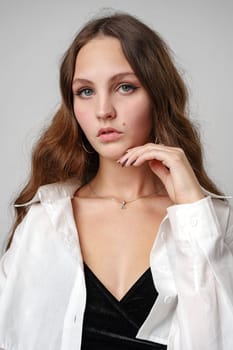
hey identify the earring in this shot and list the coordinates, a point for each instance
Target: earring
(85, 148)
(83, 139)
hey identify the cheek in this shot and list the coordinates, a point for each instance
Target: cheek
(138, 115)
(81, 115)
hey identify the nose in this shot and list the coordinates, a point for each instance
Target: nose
(105, 108)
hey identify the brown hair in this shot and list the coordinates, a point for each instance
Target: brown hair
(59, 153)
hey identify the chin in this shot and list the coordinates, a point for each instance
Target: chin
(112, 157)
(113, 154)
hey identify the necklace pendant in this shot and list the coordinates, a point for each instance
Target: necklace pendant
(123, 205)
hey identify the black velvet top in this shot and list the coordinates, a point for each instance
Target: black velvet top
(110, 324)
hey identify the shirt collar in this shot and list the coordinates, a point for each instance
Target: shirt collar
(52, 192)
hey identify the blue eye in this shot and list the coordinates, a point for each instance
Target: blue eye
(127, 88)
(85, 92)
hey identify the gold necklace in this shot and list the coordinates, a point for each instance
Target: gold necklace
(122, 202)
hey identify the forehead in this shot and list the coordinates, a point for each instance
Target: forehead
(101, 54)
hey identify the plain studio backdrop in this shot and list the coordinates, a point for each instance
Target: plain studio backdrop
(35, 34)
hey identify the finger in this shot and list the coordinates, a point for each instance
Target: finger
(133, 154)
(149, 146)
(140, 154)
(139, 159)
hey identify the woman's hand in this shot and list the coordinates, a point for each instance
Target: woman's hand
(171, 166)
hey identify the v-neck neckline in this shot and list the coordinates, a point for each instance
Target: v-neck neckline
(128, 292)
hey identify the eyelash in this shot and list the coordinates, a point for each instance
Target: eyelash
(79, 92)
(130, 86)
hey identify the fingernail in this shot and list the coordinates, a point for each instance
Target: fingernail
(125, 161)
(132, 163)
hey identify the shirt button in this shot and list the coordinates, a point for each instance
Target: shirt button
(75, 318)
(168, 299)
(193, 222)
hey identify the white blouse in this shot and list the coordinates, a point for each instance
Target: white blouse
(42, 285)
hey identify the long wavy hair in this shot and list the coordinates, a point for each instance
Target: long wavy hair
(59, 154)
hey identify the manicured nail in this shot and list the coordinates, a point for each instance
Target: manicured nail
(125, 161)
(132, 163)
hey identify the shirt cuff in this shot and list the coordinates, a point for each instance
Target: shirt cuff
(194, 221)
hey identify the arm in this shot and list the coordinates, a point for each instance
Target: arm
(203, 271)
(202, 263)
(8, 257)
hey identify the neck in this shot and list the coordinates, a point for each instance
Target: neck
(124, 183)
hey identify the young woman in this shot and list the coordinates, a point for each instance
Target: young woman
(119, 242)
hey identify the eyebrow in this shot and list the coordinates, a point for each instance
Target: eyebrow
(114, 77)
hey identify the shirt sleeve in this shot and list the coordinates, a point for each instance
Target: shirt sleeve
(8, 257)
(203, 273)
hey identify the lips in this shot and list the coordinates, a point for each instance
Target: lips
(105, 131)
(106, 135)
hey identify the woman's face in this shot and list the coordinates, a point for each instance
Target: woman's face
(110, 104)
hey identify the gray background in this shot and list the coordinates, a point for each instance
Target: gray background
(34, 36)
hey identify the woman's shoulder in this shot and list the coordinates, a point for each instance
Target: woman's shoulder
(223, 209)
(45, 224)
(54, 191)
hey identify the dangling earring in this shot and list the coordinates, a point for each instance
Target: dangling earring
(85, 148)
(82, 138)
